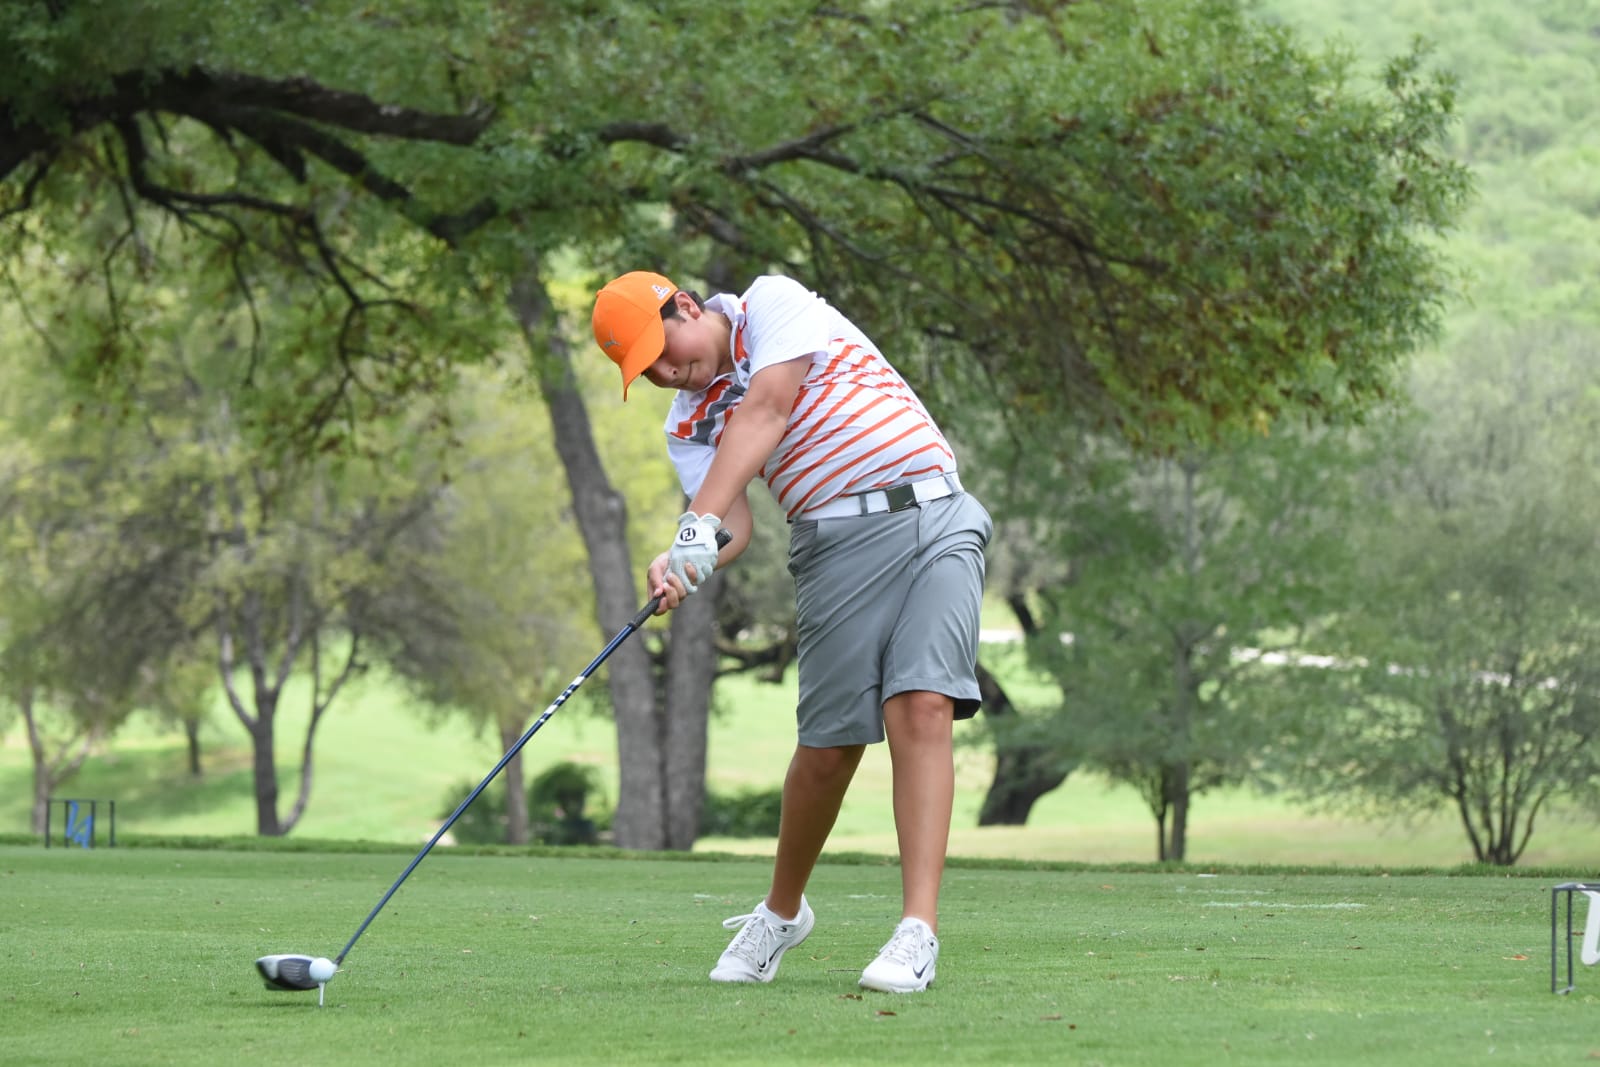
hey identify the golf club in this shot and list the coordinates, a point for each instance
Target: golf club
(290, 972)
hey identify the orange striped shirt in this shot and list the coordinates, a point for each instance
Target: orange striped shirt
(856, 424)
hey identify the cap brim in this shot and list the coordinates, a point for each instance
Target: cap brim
(645, 350)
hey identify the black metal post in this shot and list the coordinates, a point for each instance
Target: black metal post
(1556, 934)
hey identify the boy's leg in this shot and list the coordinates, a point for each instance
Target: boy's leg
(918, 725)
(929, 674)
(813, 790)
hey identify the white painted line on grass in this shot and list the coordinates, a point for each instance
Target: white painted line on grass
(1342, 905)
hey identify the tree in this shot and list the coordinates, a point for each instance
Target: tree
(180, 693)
(189, 549)
(661, 735)
(38, 557)
(476, 607)
(1189, 578)
(1022, 559)
(198, 167)
(1473, 684)
(1527, 241)
(87, 607)
(1169, 218)
(279, 587)
(1167, 221)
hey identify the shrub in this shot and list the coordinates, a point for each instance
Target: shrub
(484, 823)
(556, 801)
(748, 813)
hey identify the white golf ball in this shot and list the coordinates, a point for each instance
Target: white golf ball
(322, 969)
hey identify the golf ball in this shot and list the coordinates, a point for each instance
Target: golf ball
(322, 969)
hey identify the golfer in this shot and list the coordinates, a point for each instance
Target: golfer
(886, 552)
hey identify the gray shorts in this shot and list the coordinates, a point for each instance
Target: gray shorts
(886, 604)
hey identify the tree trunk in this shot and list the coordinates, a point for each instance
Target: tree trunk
(265, 772)
(191, 733)
(41, 794)
(516, 790)
(50, 771)
(41, 767)
(1186, 687)
(323, 694)
(602, 518)
(1180, 813)
(691, 666)
(1162, 848)
(1022, 773)
(260, 724)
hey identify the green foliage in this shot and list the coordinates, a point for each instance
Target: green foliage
(1084, 543)
(333, 307)
(1473, 684)
(1171, 219)
(559, 810)
(193, 549)
(1187, 579)
(558, 804)
(484, 821)
(1169, 223)
(1530, 241)
(745, 813)
(464, 614)
(564, 785)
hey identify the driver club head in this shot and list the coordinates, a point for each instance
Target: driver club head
(287, 972)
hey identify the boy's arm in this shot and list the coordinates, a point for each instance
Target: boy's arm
(752, 433)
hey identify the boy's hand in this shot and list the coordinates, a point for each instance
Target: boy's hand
(693, 556)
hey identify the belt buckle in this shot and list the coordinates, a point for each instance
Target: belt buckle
(901, 497)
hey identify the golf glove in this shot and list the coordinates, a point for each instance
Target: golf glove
(695, 545)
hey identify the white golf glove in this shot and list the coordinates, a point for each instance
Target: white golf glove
(696, 546)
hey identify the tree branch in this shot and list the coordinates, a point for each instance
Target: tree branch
(286, 118)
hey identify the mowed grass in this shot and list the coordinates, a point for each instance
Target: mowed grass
(383, 770)
(144, 956)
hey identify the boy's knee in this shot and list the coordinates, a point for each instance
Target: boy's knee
(822, 764)
(919, 715)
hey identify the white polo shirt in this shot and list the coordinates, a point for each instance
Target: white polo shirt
(856, 425)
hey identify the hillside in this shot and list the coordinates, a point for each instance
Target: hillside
(1528, 75)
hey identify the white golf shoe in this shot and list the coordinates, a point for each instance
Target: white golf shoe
(907, 963)
(756, 950)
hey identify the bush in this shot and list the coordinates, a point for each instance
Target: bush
(484, 823)
(748, 813)
(556, 802)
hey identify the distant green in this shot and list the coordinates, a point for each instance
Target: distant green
(382, 772)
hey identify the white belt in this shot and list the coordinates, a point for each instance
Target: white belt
(894, 498)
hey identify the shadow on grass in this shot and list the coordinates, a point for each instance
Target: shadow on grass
(156, 783)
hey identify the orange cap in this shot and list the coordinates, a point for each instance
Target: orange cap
(627, 322)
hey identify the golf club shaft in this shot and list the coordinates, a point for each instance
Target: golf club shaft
(723, 537)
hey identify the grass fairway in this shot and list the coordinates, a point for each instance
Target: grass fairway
(143, 956)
